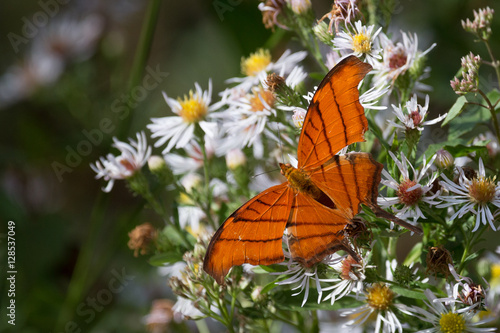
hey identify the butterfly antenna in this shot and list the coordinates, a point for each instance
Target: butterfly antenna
(263, 173)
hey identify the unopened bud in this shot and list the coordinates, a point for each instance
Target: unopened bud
(235, 158)
(298, 117)
(444, 159)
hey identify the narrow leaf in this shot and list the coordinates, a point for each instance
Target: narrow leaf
(455, 110)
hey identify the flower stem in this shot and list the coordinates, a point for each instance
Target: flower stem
(140, 58)
(201, 325)
(208, 193)
(495, 63)
(493, 114)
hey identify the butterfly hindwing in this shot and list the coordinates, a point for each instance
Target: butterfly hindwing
(315, 231)
(252, 234)
(335, 117)
(349, 180)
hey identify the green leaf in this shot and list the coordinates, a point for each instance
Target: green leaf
(378, 133)
(471, 256)
(469, 125)
(415, 294)
(271, 285)
(414, 255)
(269, 269)
(494, 96)
(165, 258)
(455, 110)
(461, 150)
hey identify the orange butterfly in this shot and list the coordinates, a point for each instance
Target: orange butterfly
(320, 197)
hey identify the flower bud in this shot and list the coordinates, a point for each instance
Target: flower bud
(444, 159)
(235, 158)
(323, 32)
(298, 117)
(300, 6)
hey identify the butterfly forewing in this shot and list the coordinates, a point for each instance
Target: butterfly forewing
(252, 234)
(335, 117)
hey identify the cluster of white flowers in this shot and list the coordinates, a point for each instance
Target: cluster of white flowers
(247, 120)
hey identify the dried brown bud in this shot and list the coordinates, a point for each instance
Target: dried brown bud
(141, 238)
(274, 81)
(160, 316)
(437, 260)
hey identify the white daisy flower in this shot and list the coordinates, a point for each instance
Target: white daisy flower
(245, 119)
(178, 131)
(259, 64)
(301, 275)
(474, 196)
(379, 301)
(181, 164)
(171, 270)
(186, 309)
(398, 57)
(415, 115)
(132, 158)
(351, 277)
(71, 37)
(446, 317)
(409, 191)
(361, 42)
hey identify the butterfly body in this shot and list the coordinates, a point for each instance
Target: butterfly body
(320, 197)
(300, 181)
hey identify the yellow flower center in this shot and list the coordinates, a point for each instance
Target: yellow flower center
(495, 271)
(256, 62)
(259, 96)
(452, 323)
(193, 108)
(495, 275)
(380, 297)
(361, 43)
(482, 190)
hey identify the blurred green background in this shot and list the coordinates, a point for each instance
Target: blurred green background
(71, 239)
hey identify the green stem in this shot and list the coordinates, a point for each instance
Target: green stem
(141, 57)
(202, 326)
(494, 62)
(391, 248)
(493, 114)
(80, 282)
(315, 322)
(208, 193)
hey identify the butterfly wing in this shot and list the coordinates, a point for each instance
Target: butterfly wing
(335, 117)
(252, 234)
(315, 231)
(353, 179)
(349, 180)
